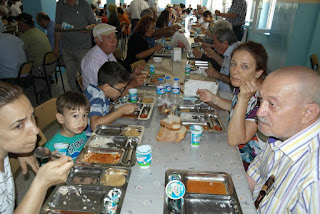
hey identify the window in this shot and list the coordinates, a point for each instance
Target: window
(263, 15)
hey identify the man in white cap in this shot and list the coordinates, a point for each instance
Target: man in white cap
(106, 43)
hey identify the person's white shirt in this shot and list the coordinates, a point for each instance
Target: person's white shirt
(136, 6)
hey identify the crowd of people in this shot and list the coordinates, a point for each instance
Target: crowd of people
(283, 105)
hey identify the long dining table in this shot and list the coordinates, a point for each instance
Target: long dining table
(146, 189)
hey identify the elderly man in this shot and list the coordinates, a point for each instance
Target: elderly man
(289, 113)
(224, 42)
(75, 44)
(106, 43)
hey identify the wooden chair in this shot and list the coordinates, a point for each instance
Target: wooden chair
(46, 113)
(25, 72)
(314, 62)
(80, 83)
(49, 68)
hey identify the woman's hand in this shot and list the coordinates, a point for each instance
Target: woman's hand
(28, 160)
(206, 96)
(212, 72)
(54, 172)
(248, 89)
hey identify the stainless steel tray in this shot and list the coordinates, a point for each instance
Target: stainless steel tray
(144, 110)
(152, 80)
(163, 53)
(202, 115)
(195, 64)
(70, 198)
(206, 192)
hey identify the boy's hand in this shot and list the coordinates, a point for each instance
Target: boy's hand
(128, 109)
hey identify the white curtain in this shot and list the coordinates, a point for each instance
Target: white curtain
(222, 5)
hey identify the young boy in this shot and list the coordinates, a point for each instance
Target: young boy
(112, 81)
(72, 114)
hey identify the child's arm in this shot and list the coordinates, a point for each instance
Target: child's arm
(109, 118)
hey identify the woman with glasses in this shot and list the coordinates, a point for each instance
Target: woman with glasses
(112, 81)
(138, 46)
(248, 64)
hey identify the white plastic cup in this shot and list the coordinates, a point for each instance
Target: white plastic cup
(144, 156)
(133, 92)
(196, 133)
(62, 148)
(151, 67)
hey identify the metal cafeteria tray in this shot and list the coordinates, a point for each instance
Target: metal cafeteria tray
(144, 110)
(198, 64)
(152, 80)
(120, 130)
(91, 156)
(82, 199)
(190, 56)
(163, 53)
(206, 192)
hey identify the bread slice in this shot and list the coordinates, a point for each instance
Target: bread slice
(172, 122)
(167, 135)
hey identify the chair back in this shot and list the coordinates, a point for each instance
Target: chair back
(79, 80)
(314, 61)
(118, 54)
(46, 113)
(25, 68)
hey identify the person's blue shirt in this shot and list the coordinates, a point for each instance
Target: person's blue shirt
(50, 34)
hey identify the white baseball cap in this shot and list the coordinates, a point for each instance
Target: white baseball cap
(103, 29)
(169, 5)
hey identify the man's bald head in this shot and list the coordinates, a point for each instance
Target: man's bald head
(304, 79)
(289, 102)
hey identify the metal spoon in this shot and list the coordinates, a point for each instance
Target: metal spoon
(43, 152)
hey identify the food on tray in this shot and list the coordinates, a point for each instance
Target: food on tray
(217, 128)
(144, 115)
(147, 100)
(107, 158)
(100, 142)
(206, 187)
(114, 178)
(205, 128)
(185, 110)
(171, 129)
(131, 132)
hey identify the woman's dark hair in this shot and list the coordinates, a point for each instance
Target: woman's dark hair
(163, 19)
(120, 11)
(72, 101)
(9, 93)
(257, 51)
(92, 6)
(144, 24)
(113, 73)
(207, 13)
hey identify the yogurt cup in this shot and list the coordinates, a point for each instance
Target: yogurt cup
(151, 67)
(144, 156)
(187, 69)
(196, 133)
(133, 92)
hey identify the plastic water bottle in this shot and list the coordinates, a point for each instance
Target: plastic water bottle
(175, 91)
(163, 42)
(168, 87)
(161, 91)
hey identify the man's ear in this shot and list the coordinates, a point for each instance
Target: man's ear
(60, 118)
(311, 113)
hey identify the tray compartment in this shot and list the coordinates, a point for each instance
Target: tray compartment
(210, 204)
(84, 175)
(107, 130)
(107, 141)
(115, 177)
(100, 156)
(77, 198)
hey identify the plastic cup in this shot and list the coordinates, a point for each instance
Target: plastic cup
(187, 69)
(133, 92)
(144, 156)
(196, 133)
(151, 67)
(62, 148)
(169, 47)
